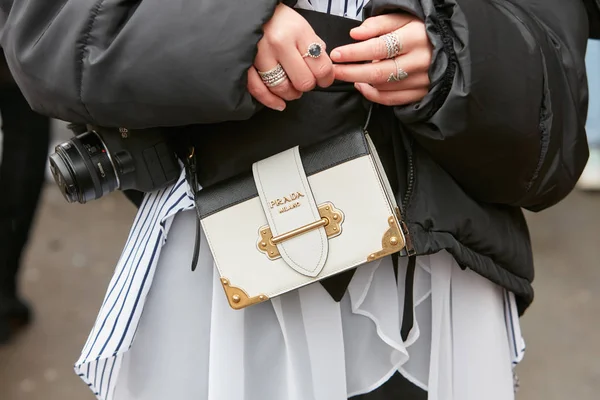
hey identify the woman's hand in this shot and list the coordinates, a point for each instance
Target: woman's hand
(391, 82)
(287, 37)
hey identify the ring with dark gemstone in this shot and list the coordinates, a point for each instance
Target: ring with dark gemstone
(314, 51)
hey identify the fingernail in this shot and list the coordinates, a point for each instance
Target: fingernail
(280, 108)
(358, 87)
(336, 55)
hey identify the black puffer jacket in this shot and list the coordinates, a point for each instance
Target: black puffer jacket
(5, 76)
(593, 9)
(501, 129)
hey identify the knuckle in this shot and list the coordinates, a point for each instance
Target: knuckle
(421, 31)
(307, 85)
(378, 75)
(286, 91)
(425, 40)
(426, 58)
(288, 96)
(416, 27)
(424, 80)
(419, 34)
(323, 70)
(256, 88)
(291, 94)
(282, 88)
(251, 85)
(278, 38)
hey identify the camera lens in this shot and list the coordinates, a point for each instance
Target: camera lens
(83, 168)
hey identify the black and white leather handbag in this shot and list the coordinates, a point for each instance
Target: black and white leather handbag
(300, 216)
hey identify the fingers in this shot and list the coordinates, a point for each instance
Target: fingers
(303, 73)
(391, 82)
(415, 81)
(321, 67)
(380, 25)
(261, 92)
(302, 76)
(391, 98)
(297, 70)
(287, 36)
(412, 36)
(264, 62)
(371, 49)
(378, 73)
(307, 72)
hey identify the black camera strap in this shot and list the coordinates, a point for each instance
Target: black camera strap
(190, 164)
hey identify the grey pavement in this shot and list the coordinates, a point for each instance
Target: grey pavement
(74, 249)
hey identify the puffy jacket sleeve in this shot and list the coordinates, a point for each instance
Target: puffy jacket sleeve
(593, 10)
(506, 111)
(135, 63)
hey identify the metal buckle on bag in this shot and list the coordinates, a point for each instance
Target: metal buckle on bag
(331, 220)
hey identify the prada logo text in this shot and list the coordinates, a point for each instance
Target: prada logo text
(287, 203)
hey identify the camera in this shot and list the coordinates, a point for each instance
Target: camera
(99, 161)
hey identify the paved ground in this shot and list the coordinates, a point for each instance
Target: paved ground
(74, 249)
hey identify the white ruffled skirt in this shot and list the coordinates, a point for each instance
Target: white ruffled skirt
(304, 346)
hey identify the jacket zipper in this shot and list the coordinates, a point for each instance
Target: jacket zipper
(408, 245)
(411, 183)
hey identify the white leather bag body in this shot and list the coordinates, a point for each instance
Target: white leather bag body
(301, 216)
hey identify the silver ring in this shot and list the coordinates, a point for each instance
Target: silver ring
(393, 44)
(399, 75)
(273, 77)
(314, 50)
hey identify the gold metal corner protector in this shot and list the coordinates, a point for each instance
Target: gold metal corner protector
(238, 298)
(392, 241)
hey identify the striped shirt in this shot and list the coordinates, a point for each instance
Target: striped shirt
(347, 8)
(121, 309)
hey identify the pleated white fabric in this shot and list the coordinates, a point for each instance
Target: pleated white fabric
(190, 345)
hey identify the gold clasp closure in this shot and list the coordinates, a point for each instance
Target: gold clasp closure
(297, 232)
(331, 220)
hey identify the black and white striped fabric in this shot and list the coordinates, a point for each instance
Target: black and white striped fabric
(345, 8)
(120, 313)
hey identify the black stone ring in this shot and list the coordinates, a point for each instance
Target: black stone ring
(314, 51)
